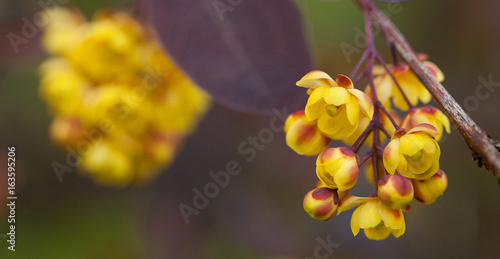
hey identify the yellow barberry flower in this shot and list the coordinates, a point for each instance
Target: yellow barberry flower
(377, 220)
(414, 153)
(335, 104)
(115, 91)
(409, 82)
(321, 203)
(395, 191)
(427, 191)
(303, 136)
(108, 164)
(185, 102)
(62, 87)
(63, 30)
(109, 47)
(338, 168)
(429, 115)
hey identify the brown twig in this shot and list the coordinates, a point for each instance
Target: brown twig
(484, 149)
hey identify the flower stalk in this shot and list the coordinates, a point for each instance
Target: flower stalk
(483, 148)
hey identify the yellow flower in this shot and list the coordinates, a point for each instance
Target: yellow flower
(303, 136)
(427, 191)
(107, 164)
(110, 45)
(429, 115)
(62, 87)
(335, 104)
(321, 203)
(180, 107)
(338, 168)
(63, 30)
(377, 220)
(115, 91)
(410, 84)
(395, 191)
(413, 154)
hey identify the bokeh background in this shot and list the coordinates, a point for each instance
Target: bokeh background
(259, 214)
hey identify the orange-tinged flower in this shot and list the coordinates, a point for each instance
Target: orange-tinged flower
(377, 220)
(338, 168)
(429, 115)
(413, 154)
(427, 191)
(395, 191)
(321, 203)
(336, 105)
(410, 84)
(303, 136)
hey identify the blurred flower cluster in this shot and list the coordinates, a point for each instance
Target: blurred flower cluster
(408, 166)
(119, 101)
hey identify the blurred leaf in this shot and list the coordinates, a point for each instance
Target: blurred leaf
(247, 54)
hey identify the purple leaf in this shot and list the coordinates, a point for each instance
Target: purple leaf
(248, 54)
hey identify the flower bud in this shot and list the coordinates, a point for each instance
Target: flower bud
(338, 168)
(161, 147)
(427, 191)
(429, 115)
(66, 131)
(108, 164)
(303, 136)
(321, 203)
(395, 191)
(414, 153)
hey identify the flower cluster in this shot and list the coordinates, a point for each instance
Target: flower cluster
(119, 101)
(406, 169)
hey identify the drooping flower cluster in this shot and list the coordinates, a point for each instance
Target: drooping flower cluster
(120, 103)
(406, 169)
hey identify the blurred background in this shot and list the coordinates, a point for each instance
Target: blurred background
(259, 214)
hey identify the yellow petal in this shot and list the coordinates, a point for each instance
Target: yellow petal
(393, 219)
(315, 106)
(365, 101)
(354, 222)
(423, 94)
(384, 86)
(377, 233)
(336, 96)
(352, 111)
(424, 127)
(315, 79)
(399, 232)
(410, 144)
(351, 201)
(391, 156)
(369, 215)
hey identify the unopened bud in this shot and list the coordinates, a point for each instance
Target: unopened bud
(321, 203)
(427, 191)
(395, 191)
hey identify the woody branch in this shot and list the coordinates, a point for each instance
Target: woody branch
(484, 149)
